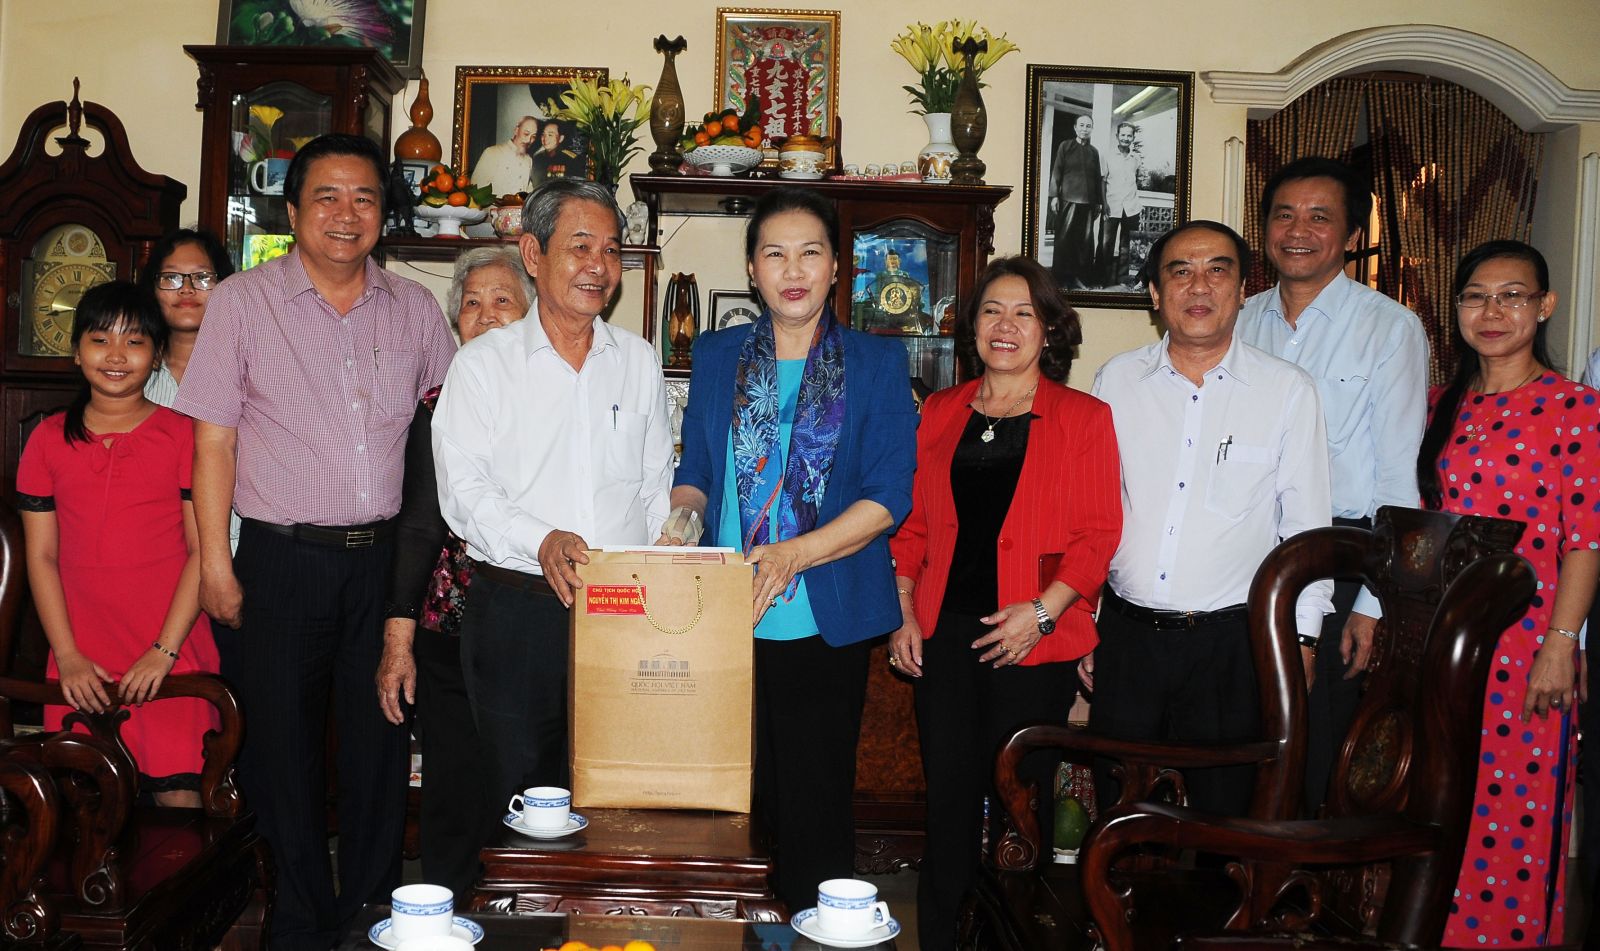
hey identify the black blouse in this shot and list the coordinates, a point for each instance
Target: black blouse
(983, 478)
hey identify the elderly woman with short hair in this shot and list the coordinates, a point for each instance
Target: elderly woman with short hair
(427, 588)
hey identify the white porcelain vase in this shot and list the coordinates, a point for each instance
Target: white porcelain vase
(935, 158)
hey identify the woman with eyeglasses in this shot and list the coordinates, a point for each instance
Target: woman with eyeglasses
(183, 269)
(1509, 437)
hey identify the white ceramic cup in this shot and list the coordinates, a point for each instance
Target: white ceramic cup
(448, 942)
(849, 907)
(420, 911)
(545, 808)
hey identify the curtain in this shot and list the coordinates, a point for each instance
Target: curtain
(1450, 171)
(1321, 122)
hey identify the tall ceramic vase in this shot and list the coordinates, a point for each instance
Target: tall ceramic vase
(933, 162)
(666, 110)
(969, 121)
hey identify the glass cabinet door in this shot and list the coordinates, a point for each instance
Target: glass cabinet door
(903, 284)
(269, 124)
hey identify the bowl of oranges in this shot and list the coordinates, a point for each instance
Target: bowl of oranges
(448, 198)
(726, 143)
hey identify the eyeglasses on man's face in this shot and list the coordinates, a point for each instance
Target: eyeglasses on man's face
(173, 280)
(1505, 300)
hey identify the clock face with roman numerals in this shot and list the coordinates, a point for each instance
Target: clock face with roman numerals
(67, 261)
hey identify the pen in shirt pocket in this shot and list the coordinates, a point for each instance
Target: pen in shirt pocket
(614, 408)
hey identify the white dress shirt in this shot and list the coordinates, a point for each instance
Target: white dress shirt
(1369, 357)
(524, 445)
(1121, 173)
(1213, 477)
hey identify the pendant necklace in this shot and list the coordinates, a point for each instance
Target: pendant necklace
(983, 406)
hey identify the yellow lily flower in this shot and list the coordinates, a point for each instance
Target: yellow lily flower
(267, 115)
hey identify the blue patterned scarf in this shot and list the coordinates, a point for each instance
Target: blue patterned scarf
(818, 418)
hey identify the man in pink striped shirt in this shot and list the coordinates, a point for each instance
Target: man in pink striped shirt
(302, 384)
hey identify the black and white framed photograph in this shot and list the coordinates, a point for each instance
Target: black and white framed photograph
(732, 308)
(1108, 163)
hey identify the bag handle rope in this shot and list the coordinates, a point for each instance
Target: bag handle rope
(699, 608)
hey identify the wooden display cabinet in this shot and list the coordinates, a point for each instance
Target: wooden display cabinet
(945, 233)
(954, 226)
(261, 103)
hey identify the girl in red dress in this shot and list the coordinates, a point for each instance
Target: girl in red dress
(111, 543)
(1512, 438)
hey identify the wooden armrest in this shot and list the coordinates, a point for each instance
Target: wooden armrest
(27, 916)
(1143, 762)
(1277, 843)
(219, 795)
(99, 785)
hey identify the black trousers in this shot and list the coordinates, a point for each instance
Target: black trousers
(1196, 685)
(309, 645)
(514, 660)
(1589, 776)
(461, 806)
(808, 718)
(1333, 700)
(965, 710)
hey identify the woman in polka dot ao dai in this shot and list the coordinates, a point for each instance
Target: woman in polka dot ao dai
(1512, 438)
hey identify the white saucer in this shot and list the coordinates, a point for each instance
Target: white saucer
(575, 823)
(806, 923)
(463, 928)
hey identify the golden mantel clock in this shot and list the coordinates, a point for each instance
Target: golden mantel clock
(67, 261)
(70, 220)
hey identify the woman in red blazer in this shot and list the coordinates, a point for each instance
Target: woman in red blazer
(1016, 511)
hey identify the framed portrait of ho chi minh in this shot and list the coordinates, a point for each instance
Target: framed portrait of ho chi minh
(788, 60)
(1108, 155)
(503, 131)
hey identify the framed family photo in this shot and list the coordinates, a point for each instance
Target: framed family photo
(504, 136)
(1107, 172)
(788, 59)
(393, 27)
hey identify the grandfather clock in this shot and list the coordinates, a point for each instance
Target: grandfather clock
(68, 222)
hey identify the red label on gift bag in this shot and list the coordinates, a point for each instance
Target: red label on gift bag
(613, 599)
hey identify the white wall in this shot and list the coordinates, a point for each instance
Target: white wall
(130, 59)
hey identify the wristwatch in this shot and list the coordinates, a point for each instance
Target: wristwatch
(1046, 622)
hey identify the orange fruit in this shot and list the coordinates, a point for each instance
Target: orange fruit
(459, 198)
(752, 138)
(575, 946)
(714, 128)
(461, 182)
(638, 945)
(444, 181)
(730, 124)
(437, 169)
(700, 138)
(611, 947)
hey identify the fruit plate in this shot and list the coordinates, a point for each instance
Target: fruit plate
(451, 217)
(724, 161)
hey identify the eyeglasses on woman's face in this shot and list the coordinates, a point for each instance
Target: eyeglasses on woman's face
(1505, 300)
(173, 280)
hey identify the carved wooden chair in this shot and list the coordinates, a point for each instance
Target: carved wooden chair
(29, 820)
(1382, 862)
(1446, 583)
(131, 875)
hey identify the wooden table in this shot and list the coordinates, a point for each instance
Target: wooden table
(533, 932)
(635, 862)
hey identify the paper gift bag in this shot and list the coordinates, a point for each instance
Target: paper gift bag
(662, 686)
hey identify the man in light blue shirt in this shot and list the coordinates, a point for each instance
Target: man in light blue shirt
(1369, 357)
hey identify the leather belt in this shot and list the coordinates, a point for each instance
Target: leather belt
(1172, 620)
(332, 536)
(513, 579)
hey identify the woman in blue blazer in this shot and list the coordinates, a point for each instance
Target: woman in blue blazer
(799, 444)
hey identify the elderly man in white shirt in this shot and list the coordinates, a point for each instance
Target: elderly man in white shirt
(550, 437)
(1224, 454)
